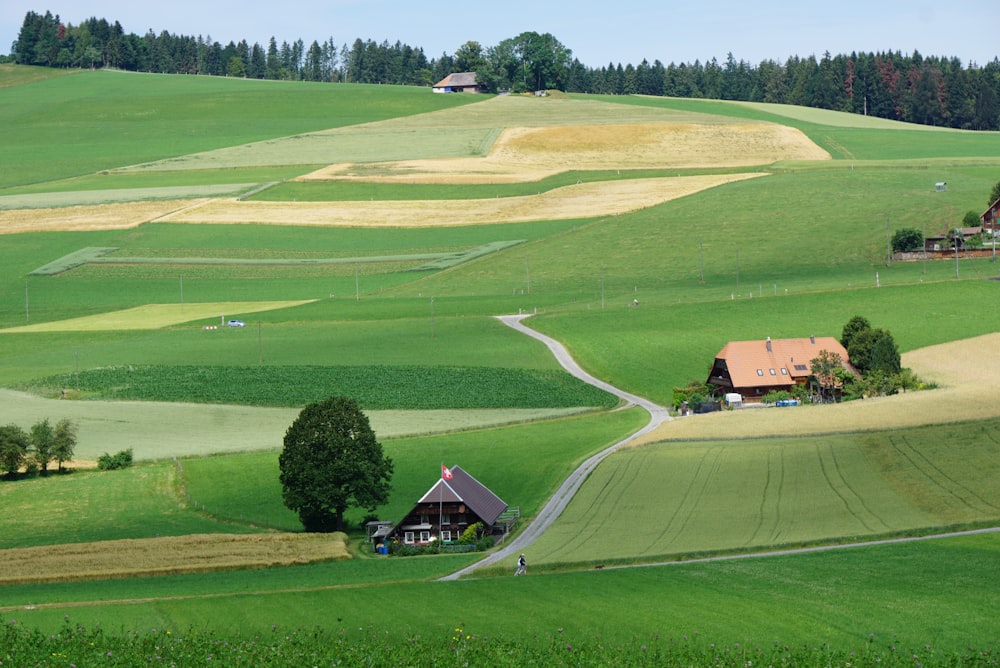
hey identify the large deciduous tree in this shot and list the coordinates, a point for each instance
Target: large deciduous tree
(331, 461)
(525, 63)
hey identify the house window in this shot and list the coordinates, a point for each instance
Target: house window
(445, 519)
(800, 367)
(446, 536)
(424, 520)
(784, 371)
(772, 372)
(425, 536)
(760, 372)
(408, 538)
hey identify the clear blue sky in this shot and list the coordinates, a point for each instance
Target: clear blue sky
(615, 31)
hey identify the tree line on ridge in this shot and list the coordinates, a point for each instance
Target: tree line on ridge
(928, 90)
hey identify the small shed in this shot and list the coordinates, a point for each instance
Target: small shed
(941, 186)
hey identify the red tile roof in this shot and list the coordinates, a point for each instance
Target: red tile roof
(752, 364)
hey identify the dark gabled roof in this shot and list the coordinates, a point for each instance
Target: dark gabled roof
(463, 488)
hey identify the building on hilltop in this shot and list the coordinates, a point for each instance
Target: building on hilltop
(754, 368)
(458, 82)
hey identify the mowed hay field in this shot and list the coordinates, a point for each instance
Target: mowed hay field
(550, 136)
(194, 553)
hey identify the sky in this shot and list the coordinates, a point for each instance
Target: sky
(598, 33)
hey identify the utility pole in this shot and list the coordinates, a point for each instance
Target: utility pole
(957, 233)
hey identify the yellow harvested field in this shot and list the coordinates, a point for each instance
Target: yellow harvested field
(532, 153)
(964, 371)
(584, 200)
(153, 316)
(197, 553)
(88, 218)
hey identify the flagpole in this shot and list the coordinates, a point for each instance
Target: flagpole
(441, 509)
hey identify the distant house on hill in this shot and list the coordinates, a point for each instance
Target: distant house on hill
(458, 82)
(452, 504)
(754, 368)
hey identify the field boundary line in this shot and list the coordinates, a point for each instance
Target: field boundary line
(806, 550)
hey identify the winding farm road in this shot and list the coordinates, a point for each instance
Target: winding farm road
(555, 505)
(657, 416)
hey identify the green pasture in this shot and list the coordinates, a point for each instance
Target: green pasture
(235, 492)
(540, 454)
(690, 498)
(139, 502)
(162, 431)
(335, 191)
(110, 119)
(666, 342)
(794, 253)
(909, 597)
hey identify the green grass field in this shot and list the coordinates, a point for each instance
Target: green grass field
(795, 253)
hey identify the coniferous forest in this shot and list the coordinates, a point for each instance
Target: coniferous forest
(929, 90)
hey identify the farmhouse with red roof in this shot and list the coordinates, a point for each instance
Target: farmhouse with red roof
(754, 368)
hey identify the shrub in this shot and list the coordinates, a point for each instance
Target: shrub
(907, 239)
(471, 533)
(120, 460)
(774, 396)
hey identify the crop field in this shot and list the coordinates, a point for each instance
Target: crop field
(368, 236)
(692, 496)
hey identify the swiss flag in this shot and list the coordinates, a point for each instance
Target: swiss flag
(445, 472)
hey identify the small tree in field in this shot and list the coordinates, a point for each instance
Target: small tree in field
(14, 443)
(64, 442)
(331, 461)
(43, 441)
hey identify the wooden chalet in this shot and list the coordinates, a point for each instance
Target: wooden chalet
(449, 507)
(458, 82)
(754, 368)
(991, 219)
